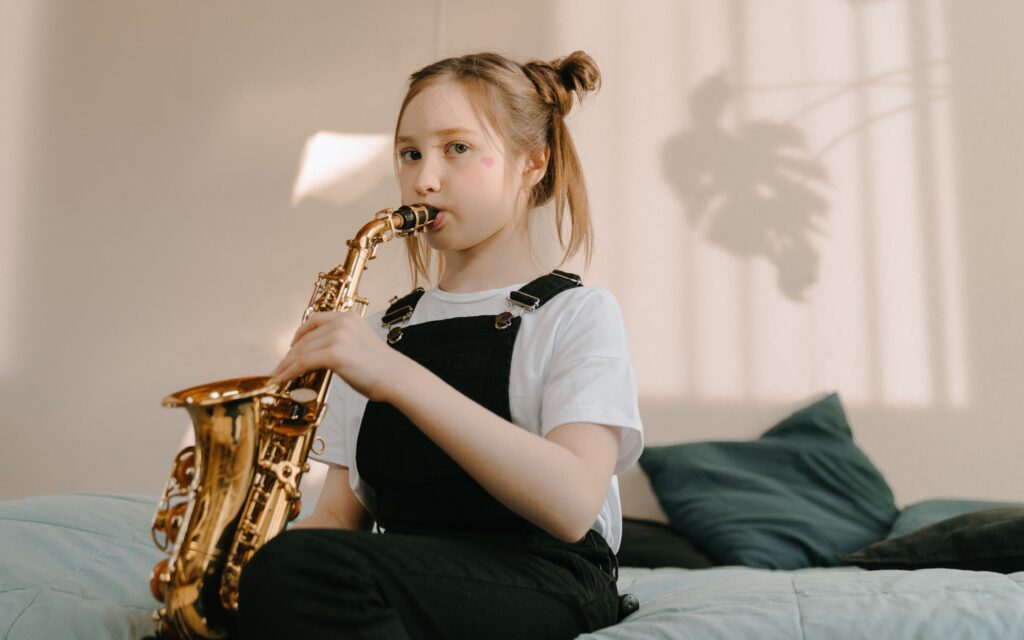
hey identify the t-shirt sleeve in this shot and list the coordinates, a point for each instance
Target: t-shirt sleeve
(590, 377)
(334, 428)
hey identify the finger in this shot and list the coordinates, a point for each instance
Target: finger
(324, 336)
(313, 323)
(298, 366)
(280, 365)
(318, 324)
(307, 344)
(321, 346)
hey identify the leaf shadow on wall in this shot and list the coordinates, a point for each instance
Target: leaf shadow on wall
(752, 190)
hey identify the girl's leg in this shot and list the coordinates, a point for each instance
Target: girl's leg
(334, 583)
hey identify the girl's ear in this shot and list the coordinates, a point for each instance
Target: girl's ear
(536, 167)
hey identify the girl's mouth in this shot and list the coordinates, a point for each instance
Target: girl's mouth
(438, 221)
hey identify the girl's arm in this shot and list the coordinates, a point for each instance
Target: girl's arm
(557, 483)
(338, 507)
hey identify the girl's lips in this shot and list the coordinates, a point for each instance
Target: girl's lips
(438, 221)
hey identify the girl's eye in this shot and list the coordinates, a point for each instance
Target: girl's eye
(409, 155)
(458, 147)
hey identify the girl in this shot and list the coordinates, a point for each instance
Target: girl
(484, 435)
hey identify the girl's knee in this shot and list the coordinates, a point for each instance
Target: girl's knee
(265, 573)
(294, 566)
(315, 580)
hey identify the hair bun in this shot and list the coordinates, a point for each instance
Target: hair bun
(557, 80)
(579, 73)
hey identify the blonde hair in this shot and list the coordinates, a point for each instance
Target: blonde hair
(526, 105)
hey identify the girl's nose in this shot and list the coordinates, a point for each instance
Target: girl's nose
(428, 179)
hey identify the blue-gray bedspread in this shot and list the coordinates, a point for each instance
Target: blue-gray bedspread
(77, 566)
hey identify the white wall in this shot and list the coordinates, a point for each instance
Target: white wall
(791, 197)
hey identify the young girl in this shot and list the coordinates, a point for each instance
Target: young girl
(481, 423)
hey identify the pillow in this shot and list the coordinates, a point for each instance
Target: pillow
(921, 514)
(652, 544)
(989, 540)
(796, 497)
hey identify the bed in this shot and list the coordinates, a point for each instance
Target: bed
(76, 565)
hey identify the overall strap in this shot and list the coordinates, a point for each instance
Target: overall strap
(535, 294)
(399, 313)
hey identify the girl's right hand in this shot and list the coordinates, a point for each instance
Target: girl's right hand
(345, 344)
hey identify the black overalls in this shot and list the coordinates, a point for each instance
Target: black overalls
(452, 562)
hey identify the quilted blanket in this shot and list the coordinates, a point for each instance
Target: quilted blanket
(76, 566)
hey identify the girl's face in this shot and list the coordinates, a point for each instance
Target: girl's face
(448, 158)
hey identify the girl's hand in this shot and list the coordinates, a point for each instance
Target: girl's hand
(344, 343)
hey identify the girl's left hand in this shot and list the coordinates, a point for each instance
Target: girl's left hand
(344, 343)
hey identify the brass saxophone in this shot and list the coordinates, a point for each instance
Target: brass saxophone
(238, 486)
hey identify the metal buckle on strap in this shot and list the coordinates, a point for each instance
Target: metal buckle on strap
(571, 277)
(395, 321)
(398, 315)
(524, 301)
(394, 335)
(401, 314)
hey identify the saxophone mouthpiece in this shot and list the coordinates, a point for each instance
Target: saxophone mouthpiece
(416, 216)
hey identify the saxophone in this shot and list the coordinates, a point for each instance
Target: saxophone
(238, 486)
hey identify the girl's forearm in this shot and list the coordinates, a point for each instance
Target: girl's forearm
(540, 480)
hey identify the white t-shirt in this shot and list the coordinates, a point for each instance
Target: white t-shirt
(570, 363)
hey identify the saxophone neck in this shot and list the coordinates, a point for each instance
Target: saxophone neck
(337, 290)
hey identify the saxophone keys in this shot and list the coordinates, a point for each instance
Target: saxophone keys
(158, 579)
(158, 527)
(318, 447)
(302, 396)
(294, 509)
(174, 519)
(185, 466)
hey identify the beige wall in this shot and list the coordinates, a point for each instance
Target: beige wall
(791, 198)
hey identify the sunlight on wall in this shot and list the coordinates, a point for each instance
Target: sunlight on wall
(788, 173)
(340, 167)
(893, 210)
(19, 57)
(950, 284)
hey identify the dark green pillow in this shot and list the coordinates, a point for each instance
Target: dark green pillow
(652, 544)
(989, 540)
(796, 497)
(921, 514)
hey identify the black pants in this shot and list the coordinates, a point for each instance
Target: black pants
(320, 583)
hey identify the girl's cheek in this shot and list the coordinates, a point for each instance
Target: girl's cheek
(475, 171)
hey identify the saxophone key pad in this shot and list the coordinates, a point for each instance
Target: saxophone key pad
(302, 396)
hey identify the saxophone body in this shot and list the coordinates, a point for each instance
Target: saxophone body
(238, 486)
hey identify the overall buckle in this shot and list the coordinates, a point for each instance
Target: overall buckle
(524, 301)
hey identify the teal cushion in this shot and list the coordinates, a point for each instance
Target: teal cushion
(922, 514)
(796, 497)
